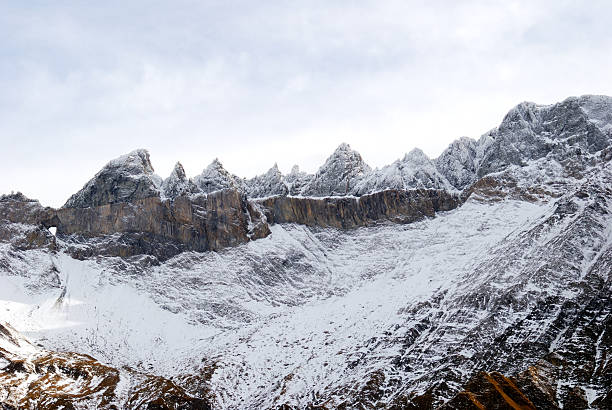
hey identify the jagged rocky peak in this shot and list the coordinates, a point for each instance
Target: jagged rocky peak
(574, 128)
(124, 179)
(416, 157)
(177, 184)
(296, 180)
(415, 170)
(339, 175)
(268, 184)
(215, 178)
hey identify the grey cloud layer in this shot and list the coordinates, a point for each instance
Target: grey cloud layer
(285, 81)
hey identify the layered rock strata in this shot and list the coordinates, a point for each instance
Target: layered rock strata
(165, 228)
(351, 212)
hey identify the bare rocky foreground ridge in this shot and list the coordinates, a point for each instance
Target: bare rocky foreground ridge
(479, 279)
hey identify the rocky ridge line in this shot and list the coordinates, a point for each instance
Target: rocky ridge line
(577, 127)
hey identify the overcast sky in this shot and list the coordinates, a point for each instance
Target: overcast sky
(258, 82)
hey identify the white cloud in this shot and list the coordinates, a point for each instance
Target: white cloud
(284, 82)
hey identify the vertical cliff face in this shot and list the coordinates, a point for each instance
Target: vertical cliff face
(164, 228)
(350, 212)
(199, 223)
(113, 215)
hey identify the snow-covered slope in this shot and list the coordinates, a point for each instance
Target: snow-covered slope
(312, 352)
(312, 315)
(292, 275)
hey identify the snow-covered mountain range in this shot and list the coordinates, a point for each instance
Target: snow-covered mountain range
(574, 128)
(478, 279)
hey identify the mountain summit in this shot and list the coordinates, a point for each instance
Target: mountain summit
(123, 179)
(215, 177)
(178, 184)
(338, 175)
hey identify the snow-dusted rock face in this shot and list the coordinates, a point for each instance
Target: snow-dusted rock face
(571, 129)
(414, 171)
(215, 178)
(24, 222)
(124, 179)
(296, 180)
(339, 175)
(177, 184)
(598, 109)
(458, 162)
(269, 184)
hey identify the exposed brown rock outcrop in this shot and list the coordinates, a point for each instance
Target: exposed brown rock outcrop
(201, 223)
(17, 208)
(535, 388)
(23, 221)
(490, 391)
(350, 212)
(35, 378)
(164, 228)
